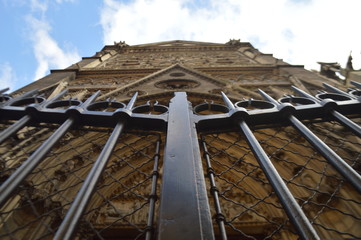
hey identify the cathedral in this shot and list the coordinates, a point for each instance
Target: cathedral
(182, 140)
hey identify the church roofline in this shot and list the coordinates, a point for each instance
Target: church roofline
(173, 44)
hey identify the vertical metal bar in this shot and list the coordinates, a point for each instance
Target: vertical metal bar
(8, 132)
(184, 209)
(72, 218)
(10, 185)
(338, 116)
(336, 161)
(214, 191)
(131, 103)
(90, 99)
(305, 94)
(336, 90)
(77, 208)
(227, 101)
(4, 90)
(153, 194)
(356, 129)
(293, 210)
(356, 84)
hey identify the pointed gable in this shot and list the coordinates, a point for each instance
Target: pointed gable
(174, 78)
(180, 43)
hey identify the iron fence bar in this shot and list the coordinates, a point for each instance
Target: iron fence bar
(293, 210)
(336, 161)
(338, 116)
(14, 128)
(153, 194)
(214, 191)
(356, 84)
(11, 184)
(77, 208)
(4, 90)
(356, 129)
(305, 94)
(75, 212)
(184, 199)
(336, 90)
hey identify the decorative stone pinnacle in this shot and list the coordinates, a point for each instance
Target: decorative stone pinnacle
(234, 42)
(121, 44)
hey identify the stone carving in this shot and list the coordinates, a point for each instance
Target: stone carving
(151, 60)
(121, 44)
(177, 84)
(349, 65)
(330, 69)
(234, 42)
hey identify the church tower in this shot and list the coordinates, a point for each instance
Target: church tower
(181, 140)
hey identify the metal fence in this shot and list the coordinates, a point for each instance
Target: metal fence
(93, 170)
(251, 206)
(121, 198)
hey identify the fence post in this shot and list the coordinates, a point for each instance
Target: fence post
(184, 209)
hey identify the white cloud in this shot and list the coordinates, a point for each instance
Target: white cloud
(62, 1)
(37, 5)
(42, 5)
(301, 32)
(47, 51)
(7, 76)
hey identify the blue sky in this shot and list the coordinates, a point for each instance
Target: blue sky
(39, 35)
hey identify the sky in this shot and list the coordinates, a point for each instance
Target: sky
(39, 35)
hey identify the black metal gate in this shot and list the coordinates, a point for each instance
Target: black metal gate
(53, 187)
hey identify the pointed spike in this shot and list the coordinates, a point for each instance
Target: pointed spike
(304, 94)
(4, 90)
(227, 101)
(336, 90)
(268, 97)
(132, 101)
(57, 97)
(356, 84)
(29, 94)
(90, 99)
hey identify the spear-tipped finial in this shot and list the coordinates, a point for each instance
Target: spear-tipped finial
(132, 101)
(304, 94)
(268, 97)
(227, 101)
